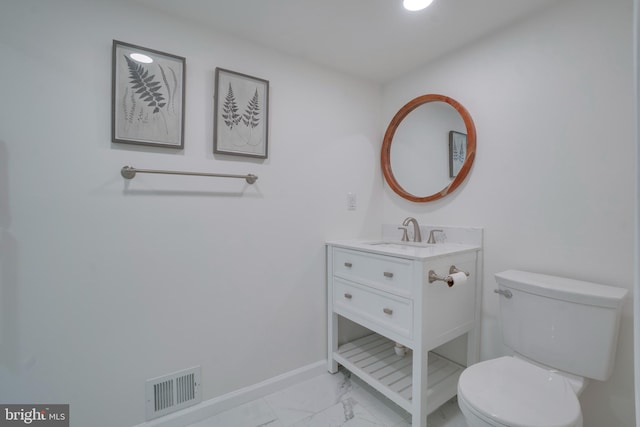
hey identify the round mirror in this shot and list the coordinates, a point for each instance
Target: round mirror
(427, 154)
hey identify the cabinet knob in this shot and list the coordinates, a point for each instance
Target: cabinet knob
(348, 264)
(387, 311)
(388, 274)
(347, 295)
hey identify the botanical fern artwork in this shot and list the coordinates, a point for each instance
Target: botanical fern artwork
(457, 152)
(251, 116)
(148, 96)
(230, 110)
(145, 86)
(241, 114)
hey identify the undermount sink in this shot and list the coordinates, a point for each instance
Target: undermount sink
(402, 245)
(411, 250)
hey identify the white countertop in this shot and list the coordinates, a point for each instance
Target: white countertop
(409, 250)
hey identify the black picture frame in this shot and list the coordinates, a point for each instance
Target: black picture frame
(457, 152)
(147, 96)
(241, 115)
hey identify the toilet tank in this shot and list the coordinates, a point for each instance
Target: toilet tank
(566, 324)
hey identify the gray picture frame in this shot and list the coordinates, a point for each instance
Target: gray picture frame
(241, 115)
(457, 152)
(147, 96)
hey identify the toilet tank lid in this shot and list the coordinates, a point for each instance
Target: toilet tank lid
(561, 288)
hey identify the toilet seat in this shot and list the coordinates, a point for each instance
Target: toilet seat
(512, 392)
(473, 417)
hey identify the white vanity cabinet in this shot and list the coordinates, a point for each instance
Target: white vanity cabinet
(386, 289)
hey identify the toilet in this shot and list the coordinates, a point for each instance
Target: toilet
(562, 333)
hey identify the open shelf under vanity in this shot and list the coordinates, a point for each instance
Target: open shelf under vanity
(374, 359)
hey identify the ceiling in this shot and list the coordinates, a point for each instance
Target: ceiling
(373, 39)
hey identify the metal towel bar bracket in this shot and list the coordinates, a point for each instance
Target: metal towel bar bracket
(129, 172)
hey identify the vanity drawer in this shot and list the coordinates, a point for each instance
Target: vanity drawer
(387, 310)
(384, 272)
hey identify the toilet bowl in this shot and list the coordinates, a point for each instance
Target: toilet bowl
(562, 332)
(510, 392)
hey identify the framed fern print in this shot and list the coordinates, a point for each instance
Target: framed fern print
(241, 117)
(147, 98)
(457, 152)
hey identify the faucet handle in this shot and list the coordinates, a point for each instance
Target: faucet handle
(405, 236)
(432, 238)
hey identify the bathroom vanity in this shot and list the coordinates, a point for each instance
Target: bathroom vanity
(384, 286)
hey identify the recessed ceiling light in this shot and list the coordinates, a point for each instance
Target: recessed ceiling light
(141, 58)
(415, 5)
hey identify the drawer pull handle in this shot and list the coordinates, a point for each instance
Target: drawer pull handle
(348, 295)
(387, 274)
(348, 264)
(387, 311)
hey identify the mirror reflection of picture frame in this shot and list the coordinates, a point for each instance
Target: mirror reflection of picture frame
(457, 152)
(241, 117)
(147, 96)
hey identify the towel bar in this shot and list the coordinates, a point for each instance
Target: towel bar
(129, 172)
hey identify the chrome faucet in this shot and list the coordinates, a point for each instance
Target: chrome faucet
(417, 237)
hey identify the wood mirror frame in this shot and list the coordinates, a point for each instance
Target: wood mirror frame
(385, 158)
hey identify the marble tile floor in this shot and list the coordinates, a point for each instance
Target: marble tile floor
(328, 401)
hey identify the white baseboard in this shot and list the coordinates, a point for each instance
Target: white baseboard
(219, 404)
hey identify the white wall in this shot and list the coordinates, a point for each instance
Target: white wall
(107, 283)
(553, 181)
